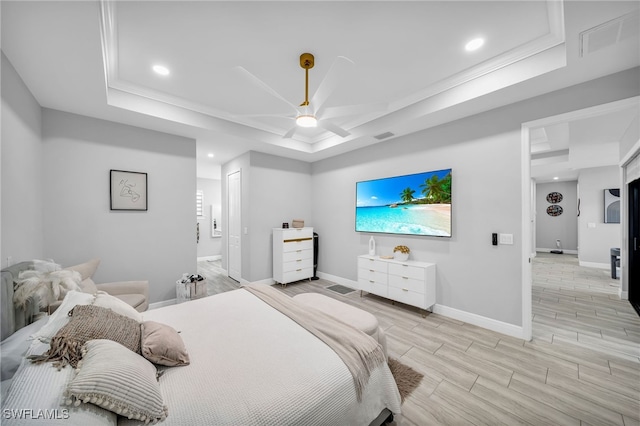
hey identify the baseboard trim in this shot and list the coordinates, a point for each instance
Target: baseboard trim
(267, 281)
(161, 304)
(339, 280)
(548, 250)
(480, 321)
(595, 265)
(624, 295)
(214, 257)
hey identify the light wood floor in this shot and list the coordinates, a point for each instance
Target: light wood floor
(581, 368)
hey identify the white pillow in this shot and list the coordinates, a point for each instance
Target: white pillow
(106, 300)
(60, 317)
(119, 380)
(13, 348)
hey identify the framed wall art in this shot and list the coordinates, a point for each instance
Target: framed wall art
(554, 197)
(612, 205)
(128, 190)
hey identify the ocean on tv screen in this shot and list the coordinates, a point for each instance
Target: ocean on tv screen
(416, 219)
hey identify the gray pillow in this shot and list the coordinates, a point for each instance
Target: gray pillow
(90, 322)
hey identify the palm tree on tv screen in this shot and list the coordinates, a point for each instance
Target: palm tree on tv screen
(407, 195)
(437, 190)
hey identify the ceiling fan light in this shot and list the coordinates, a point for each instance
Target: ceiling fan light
(306, 121)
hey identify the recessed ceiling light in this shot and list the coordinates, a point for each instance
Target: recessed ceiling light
(474, 44)
(555, 178)
(162, 70)
(210, 155)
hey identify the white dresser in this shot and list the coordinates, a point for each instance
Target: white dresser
(292, 254)
(409, 282)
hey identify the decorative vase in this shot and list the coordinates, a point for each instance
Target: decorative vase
(401, 253)
(372, 247)
(398, 255)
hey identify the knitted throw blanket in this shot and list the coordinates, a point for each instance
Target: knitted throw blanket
(89, 322)
(360, 352)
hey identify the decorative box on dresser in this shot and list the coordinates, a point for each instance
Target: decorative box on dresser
(409, 281)
(292, 254)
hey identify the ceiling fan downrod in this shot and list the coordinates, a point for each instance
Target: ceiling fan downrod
(306, 62)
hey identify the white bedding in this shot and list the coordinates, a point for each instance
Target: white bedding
(251, 365)
(35, 397)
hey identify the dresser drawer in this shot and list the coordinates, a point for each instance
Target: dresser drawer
(291, 256)
(297, 275)
(417, 286)
(295, 245)
(371, 275)
(407, 296)
(296, 233)
(372, 264)
(297, 264)
(408, 271)
(372, 287)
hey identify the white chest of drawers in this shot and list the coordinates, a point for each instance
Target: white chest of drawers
(409, 282)
(292, 254)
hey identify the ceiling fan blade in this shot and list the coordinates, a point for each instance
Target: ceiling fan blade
(263, 86)
(347, 110)
(290, 133)
(339, 70)
(284, 116)
(327, 125)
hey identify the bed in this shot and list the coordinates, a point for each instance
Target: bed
(250, 364)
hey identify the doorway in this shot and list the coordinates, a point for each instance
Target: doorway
(633, 191)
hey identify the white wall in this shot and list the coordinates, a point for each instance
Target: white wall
(596, 238)
(280, 192)
(21, 152)
(563, 227)
(274, 190)
(471, 275)
(208, 245)
(484, 152)
(156, 245)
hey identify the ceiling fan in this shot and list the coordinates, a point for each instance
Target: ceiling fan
(310, 113)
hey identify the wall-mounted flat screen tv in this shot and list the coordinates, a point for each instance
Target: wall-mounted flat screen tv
(417, 204)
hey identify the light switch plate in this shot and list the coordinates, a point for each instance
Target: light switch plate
(506, 238)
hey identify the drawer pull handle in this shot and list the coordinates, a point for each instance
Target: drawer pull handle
(371, 260)
(371, 281)
(298, 251)
(404, 264)
(371, 270)
(405, 278)
(405, 289)
(299, 260)
(298, 270)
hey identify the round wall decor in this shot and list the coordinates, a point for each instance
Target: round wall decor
(554, 210)
(554, 197)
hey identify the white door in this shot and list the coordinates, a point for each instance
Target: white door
(235, 225)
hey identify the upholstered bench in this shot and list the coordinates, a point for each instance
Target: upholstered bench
(362, 320)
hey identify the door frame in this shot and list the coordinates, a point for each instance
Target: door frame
(228, 227)
(624, 220)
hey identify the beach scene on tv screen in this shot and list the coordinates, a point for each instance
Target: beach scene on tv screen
(417, 204)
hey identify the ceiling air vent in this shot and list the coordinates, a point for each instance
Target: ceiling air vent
(610, 33)
(384, 135)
